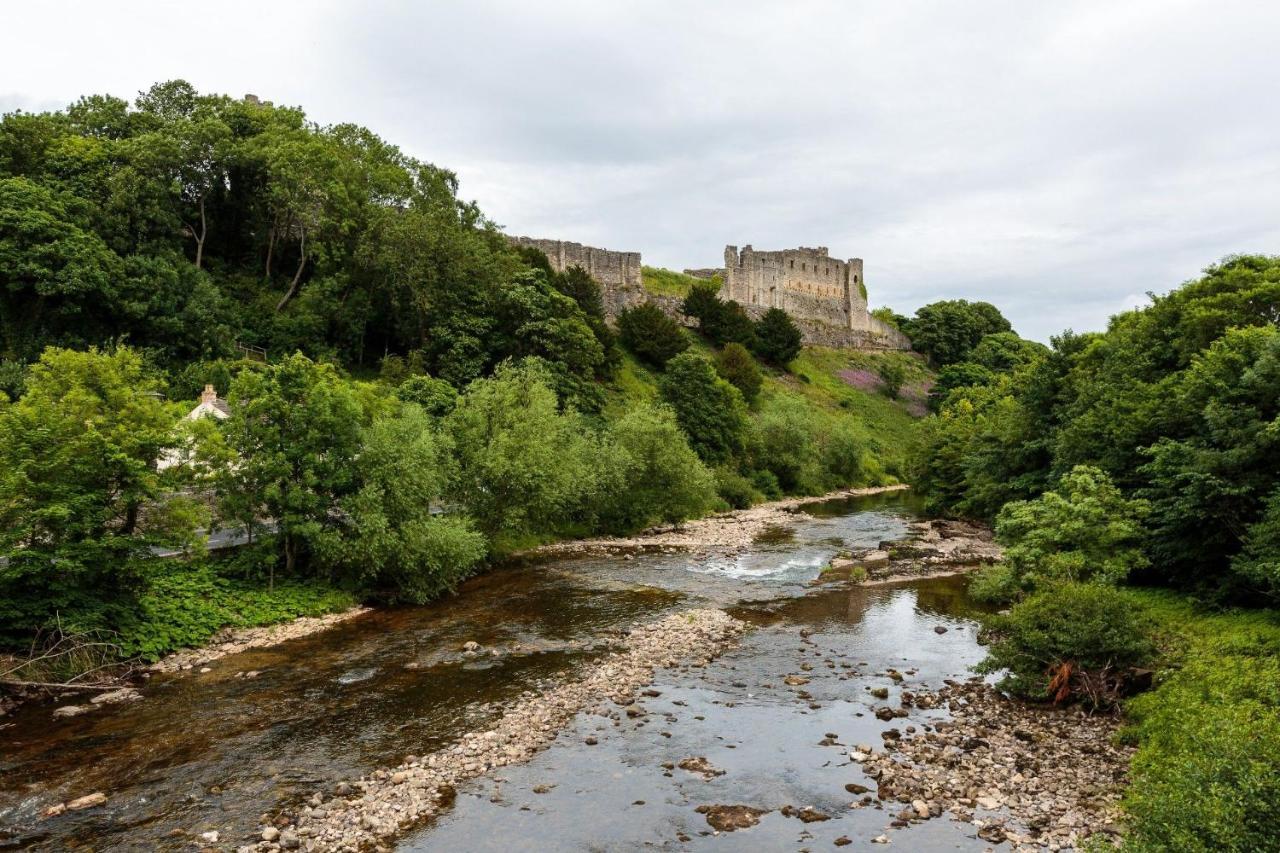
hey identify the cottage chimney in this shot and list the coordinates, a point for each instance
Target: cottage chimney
(209, 396)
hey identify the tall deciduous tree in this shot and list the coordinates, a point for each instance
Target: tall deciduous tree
(710, 411)
(947, 331)
(77, 466)
(524, 466)
(390, 541)
(295, 428)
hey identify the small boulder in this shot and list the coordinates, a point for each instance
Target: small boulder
(87, 802)
(112, 697)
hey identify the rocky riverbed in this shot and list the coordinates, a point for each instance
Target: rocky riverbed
(1036, 777)
(725, 533)
(542, 712)
(358, 814)
(932, 548)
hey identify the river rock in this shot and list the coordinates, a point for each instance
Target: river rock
(730, 818)
(71, 711)
(270, 834)
(700, 765)
(112, 697)
(87, 802)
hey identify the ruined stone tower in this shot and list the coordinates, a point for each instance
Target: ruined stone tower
(806, 283)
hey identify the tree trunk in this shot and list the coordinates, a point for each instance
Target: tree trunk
(204, 230)
(297, 275)
(130, 519)
(271, 247)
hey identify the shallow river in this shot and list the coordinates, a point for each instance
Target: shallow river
(214, 751)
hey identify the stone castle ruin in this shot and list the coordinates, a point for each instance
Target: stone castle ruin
(825, 296)
(617, 273)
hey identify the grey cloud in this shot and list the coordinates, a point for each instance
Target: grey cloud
(1059, 160)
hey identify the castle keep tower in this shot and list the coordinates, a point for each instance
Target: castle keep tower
(806, 283)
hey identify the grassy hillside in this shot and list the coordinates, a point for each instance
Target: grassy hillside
(840, 383)
(662, 282)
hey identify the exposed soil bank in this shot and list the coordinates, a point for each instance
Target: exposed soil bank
(724, 533)
(390, 800)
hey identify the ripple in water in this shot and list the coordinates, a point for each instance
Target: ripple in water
(351, 676)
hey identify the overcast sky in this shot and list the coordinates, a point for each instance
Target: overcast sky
(1058, 159)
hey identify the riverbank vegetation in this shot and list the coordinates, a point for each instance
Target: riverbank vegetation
(1133, 476)
(403, 395)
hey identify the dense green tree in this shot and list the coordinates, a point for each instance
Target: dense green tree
(1171, 413)
(78, 458)
(948, 331)
(1258, 564)
(649, 333)
(436, 397)
(390, 541)
(892, 375)
(658, 476)
(965, 374)
(785, 441)
(525, 467)
(777, 340)
(60, 279)
(736, 366)
(721, 321)
(1083, 530)
(295, 430)
(1072, 641)
(1209, 484)
(703, 303)
(710, 410)
(1004, 351)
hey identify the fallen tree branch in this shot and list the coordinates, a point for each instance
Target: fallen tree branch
(52, 685)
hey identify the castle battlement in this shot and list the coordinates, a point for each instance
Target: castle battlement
(805, 282)
(825, 295)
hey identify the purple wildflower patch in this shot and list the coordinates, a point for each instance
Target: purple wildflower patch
(863, 380)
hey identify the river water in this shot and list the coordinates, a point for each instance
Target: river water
(213, 751)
